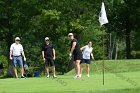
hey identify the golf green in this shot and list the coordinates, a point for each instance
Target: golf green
(116, 81)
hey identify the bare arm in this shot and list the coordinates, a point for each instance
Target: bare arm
(23, 54)
(11, 51)
(82, 48)
(73, 47)
(53, 53)
(92, 55)
(43, 55)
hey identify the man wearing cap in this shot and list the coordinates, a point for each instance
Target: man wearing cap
(48, 54)
(76, 52)
(16, 53)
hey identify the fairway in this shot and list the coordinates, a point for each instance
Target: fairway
(122, 82)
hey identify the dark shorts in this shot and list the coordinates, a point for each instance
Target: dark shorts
(77, 56)
(49, 62)
(87, 61)
(17, 60)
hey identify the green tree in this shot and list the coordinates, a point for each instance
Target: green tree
(123, 21)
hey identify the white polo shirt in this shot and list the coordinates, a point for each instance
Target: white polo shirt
(16, 49)
(87, 51)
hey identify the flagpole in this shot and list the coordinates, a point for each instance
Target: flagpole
(103, 52)
(103, 20)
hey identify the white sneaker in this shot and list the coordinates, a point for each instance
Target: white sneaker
(88, 75)
(77, 76)
(48, 76)
(54, 76)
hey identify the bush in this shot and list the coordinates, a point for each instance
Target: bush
(4, 61)
(62, 51)
(135, 54)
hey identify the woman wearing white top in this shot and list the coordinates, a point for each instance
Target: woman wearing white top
(87, 52)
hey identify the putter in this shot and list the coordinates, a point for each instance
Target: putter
(68, 60)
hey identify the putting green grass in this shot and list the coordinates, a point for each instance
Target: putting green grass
(116, 81)
(113, 66)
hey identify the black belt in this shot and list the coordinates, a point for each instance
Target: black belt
(17, 56)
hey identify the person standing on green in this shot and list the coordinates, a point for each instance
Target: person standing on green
(77, 53)
(16, 54)
(48, 54)
(87, 54)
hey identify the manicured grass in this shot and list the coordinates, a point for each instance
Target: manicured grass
(113, 66)
(116, 81)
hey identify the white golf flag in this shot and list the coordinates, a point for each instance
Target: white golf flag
(102, 16)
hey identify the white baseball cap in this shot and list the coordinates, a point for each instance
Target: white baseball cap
(46, 38)
(70, 34)
(17, 38)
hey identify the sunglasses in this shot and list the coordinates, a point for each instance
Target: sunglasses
(17, 40)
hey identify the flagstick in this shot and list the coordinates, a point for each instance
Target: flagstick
(103, 20)
(103, 54)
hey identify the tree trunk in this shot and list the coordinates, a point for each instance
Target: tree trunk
(9, 42)
(128, 45)
(117, 47)
(110, 46)
(113, 46)
(9, 38)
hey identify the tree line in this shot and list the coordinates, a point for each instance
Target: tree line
(33, 20)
